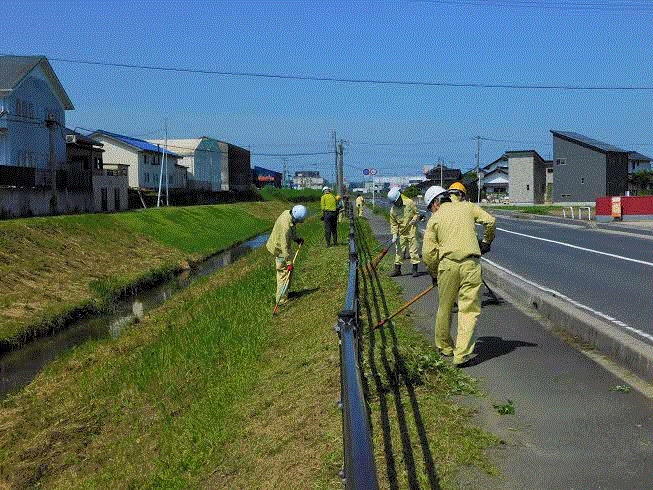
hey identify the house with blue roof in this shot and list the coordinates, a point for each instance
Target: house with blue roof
(144, 161)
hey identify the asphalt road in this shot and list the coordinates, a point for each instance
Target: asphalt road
(609, 275)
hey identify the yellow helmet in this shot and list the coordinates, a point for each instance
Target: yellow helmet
(338, 197)
(457, 186)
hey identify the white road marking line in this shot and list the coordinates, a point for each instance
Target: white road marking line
(643, 262)
(557, 294)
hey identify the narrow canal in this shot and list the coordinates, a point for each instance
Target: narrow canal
(20, 366)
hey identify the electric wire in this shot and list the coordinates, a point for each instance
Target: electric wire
(368, 81)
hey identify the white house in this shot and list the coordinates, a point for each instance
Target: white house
(203, 157)
(32, 116)
(307, 179)
(212, 164)
(494, 176)
(638, 162)
(144, 161)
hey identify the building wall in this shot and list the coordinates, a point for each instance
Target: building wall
(520, 179)
(616, 175)
(27, 138)
(208, 164)
(527, 178)
(23, 202)
(583, 176)
(240, 170)
(116, 154)
(110, 184)
(144, 166)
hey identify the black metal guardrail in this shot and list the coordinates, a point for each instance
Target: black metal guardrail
(359, 471)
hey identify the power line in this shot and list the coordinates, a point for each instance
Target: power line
(603, 6)
(371, 81)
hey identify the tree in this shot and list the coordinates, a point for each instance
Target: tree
(642, 182)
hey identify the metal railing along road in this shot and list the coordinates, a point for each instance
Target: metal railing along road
(359, 467)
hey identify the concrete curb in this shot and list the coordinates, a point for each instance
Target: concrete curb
(621, 347)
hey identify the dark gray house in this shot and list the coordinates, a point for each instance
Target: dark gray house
(586, 168)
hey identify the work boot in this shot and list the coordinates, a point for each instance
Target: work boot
(415, 273)
(397, 271)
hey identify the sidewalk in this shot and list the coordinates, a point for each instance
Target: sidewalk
(575, 426)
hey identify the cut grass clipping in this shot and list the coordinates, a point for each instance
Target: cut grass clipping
(421, 437)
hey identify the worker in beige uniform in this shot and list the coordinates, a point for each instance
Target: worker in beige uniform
(360, 203)
(452, 252)
(279, 244)
(403, 225)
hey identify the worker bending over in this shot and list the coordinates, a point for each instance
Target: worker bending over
(360, 203)
(452, 254)
(403, 219)
(329, 207)
(280, 245)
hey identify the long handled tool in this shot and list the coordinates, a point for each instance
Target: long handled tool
(382, 322)
(285, 286)
(375, 261)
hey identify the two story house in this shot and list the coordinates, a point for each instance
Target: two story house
(144, 161)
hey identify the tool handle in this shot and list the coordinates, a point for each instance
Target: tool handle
(406, 305)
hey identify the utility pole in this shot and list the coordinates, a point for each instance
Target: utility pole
(162, 163)
(478, 169)
(335, 152)
(165, 159)
(284, 180)
(441, 184)
(339, 174)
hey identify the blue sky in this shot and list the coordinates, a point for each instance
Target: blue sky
(392, 127)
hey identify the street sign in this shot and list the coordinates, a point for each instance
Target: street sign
(372, 171)
(366, 171)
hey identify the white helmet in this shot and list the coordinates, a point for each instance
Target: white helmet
(325, 188)
(431, 193)
(394, 194)
(299, 213)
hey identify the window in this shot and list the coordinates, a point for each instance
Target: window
(147, 177)
(561, 161)
(549, 170)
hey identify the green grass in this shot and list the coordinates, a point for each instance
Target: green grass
(543, 210)
(212, 391)
(290, 195)
(52, 265)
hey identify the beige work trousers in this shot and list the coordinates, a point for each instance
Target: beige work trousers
(413, 247)
(461, 281)
(360, 211)
(283, 275)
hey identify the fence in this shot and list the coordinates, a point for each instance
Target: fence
(359, 471)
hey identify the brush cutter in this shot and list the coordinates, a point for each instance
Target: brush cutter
(382, 322)
(285, 286)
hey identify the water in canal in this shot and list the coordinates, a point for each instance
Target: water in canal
(20, 366)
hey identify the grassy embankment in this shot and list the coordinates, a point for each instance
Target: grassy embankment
(211, 391)
(550, 210)
(54, 265)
